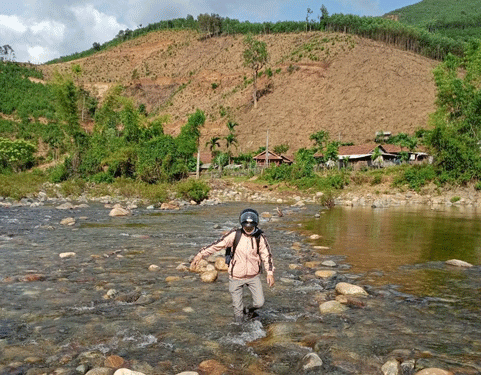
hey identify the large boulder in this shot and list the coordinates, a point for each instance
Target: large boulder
(209, 276)
(350, 289)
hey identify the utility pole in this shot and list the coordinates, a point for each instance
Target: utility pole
(267, 149)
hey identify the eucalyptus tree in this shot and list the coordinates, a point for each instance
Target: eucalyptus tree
(255, 57)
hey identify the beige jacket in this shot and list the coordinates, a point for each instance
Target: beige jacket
(247, 260)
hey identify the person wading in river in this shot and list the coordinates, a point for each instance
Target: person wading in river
(249, 249)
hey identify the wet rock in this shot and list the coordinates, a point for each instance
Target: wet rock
(350, 289)
(126, 371)
(407, 367)
(209, 276)
(69, 254)
(458, 263)
(170, 279)
(188, 373)
(101, 371)
(65, 206)
(311, 361)
(114, 361)
(119, 211)
(329, 263)
(350, 301)
(82, 369)
(200, 266)
(154, 268)
(312, 264)
(33, 277)
(433, 371)
(182, 267)
(325, 274)
(332, 307)
(220, 264)
(169, 206)
(391, 367)
(68, 221)
(212, 367)
(128, 297)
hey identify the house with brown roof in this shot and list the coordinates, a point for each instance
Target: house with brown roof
(360, 156)
(272, 158)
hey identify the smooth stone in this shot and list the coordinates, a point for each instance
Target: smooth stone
(126, 371)
(119, 211)
(458, 263)
(154, 268)
(220, 264)
(433, 371)
(332, 307)
(69, 221)
(314, 236)
(67, 254)
(212, 367)
(325, 274)
(310, 361)
(65, 206)
(101, 371)
(350, 289)
(209, 276)
(329, 263)
(172, 278)
(114, 361)
(391, 367)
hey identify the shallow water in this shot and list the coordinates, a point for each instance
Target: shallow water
(416, 303)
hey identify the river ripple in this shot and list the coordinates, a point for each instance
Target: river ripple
(63, 317)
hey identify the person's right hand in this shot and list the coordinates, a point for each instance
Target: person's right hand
(195, 261)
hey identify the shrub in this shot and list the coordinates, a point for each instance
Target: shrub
(58, 173)
(192, 190)
(416, 176)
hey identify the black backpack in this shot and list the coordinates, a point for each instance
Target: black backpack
(229, 252)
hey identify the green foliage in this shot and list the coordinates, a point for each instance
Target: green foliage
(20, 95)
(66, 99)
(281, 149)
(459, 19)
(457, 121)
(416, 176)
(21, 185)
(16, 155)
(191, 189)
(58, 173)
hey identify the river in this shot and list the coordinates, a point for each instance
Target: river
(65, 315)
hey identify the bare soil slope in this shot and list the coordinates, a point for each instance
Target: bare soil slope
(348, 86)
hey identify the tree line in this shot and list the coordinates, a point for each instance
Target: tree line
(413, 38)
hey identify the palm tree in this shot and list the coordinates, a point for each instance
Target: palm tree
(213, 143)
(230, 139)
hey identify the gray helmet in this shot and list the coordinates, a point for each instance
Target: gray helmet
(249, 218)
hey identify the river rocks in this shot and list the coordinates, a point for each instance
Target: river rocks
(126, 371)
(119, 211)
(209, 276)
(65, 206)
(350, 289)
(154, 268)
(114, 361)
(329, 263)
(458, 263)
(101, 371)
(332, 307)
(311, 361)
(434, 371)
(201, 266)
(220, 264)
(69, 254)
(170, 279)
(68, 221)
(33, 277)
(391, 367)
(169, 206)
(325, 274)
(212, 367)
(314, 236)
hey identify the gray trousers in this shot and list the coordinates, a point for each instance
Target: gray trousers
(236, 289)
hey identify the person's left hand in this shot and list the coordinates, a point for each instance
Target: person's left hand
(270, 280)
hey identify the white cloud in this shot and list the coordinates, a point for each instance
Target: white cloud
(49, 29)
(96, 26)
(39, 54)
(11, 23)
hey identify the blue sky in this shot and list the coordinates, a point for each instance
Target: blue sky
(41, 30)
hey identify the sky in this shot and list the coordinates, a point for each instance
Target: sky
(41, 30)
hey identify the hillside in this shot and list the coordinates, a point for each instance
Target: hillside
(346, 85)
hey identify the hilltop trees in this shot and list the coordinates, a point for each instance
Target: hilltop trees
(255, 57)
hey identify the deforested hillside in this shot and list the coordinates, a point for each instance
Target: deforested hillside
(343, 84)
